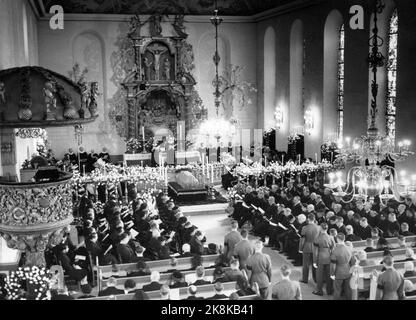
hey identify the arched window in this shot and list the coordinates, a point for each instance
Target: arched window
(341, 71)
(392, 76)
(269, 77)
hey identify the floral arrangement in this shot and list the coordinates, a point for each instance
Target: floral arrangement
(228, 159)
(110, 174)
(28, 284)
(257, 169)
(293, 137)
(329, 146)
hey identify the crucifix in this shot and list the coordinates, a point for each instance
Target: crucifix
(157, 51)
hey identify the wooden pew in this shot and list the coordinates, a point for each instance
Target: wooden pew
(393, 241)
(164, 278)
(204, 291)
(159, 265)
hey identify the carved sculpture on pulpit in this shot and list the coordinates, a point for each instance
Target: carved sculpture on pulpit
(155, 25)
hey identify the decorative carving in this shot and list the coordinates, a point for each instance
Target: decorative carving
(155, 25)
(69, 109)
(32, 206)
(24, 112)
(32, 217)
(50, 100)
(179, 27)
(2, 93)
(93, 106)
(135, 26)
(85, 97)
(166, 67)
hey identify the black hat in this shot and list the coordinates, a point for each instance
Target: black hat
(182, 220)
(177, 274)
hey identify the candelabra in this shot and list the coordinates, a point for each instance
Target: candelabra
(370, 178)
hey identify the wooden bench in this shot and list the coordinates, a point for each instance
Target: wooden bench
(164, 278)
(204, 291)
(392, 241)
(158, 265)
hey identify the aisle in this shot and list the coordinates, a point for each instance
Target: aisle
(215, 226)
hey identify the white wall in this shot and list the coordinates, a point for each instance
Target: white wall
(94, 42)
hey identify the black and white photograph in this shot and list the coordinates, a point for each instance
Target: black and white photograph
(211, 150)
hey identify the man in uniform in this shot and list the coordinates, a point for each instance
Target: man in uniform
(340, 267)
(321, 261)
(390, 283)
(286, 289)
(243, 249)
(261, 269)
(230, 240)
(309, 234)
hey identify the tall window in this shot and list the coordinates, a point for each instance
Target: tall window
(392, 76)
(341, 70)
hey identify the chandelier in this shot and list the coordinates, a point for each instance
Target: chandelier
(370, 177)
(211, 131)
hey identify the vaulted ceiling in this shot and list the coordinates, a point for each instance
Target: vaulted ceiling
(187, 7)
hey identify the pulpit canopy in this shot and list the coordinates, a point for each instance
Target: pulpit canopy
(36, 97)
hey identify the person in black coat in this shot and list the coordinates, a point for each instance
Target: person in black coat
(154, 285)
(192, 290)
(111, 289)
(178, 280)
(75, 272)
(124, 251)
(200, 274)
(219, 288)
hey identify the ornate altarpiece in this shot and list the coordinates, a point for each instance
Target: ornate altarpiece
(160, 87)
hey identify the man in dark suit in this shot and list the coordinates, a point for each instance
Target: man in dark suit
(192, 290)
(309, 234)
(243, 249)
(125, 252)
(196, 243)
(364, 229)
(297, 206)
(200, 274)
(321, 260)
(231, 239)
(349, 234)
(111, 289)
(219, 288)
(261, 269)
(154, 284)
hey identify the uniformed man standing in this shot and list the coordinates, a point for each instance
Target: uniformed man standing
(390, 283)
(243, 249)
(261, 269)
(309, 234)
(324, 245)
(230, 240)
(341, 258)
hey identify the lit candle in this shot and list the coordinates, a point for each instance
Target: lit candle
(83, 169)
(299, 158)
(332, 157)
(207, 159)
(28, 154)
(316, 157)
(143, 133)
(283, 160)
(212, 174)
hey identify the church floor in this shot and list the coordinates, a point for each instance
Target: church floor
(215, 226)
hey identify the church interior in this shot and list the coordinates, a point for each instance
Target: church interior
(207, 149)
